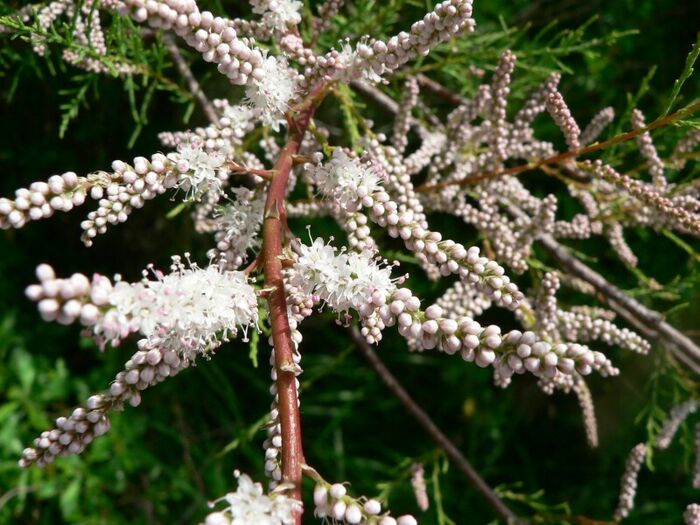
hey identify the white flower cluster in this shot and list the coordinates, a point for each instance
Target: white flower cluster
(271, 93)
(199, 171)
(249, 505)
(278, 14)
(187, 310)
(238, 226)
(345, 179)
(342, 280)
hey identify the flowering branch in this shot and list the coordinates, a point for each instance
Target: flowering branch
(273, 232)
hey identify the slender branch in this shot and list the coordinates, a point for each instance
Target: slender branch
(274, 226)
(565, 156)
(440, 90)
(434, 431)
(192, 83)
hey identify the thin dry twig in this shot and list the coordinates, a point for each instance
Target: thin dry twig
(192, 83)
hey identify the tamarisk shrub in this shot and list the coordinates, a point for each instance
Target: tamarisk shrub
(241, 176)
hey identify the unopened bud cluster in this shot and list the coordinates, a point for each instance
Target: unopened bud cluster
(147, 367)
(332, 502)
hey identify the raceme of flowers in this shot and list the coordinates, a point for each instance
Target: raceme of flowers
(190, 309)
(190, 169)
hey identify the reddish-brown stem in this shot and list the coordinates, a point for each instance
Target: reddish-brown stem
(273, 236)
(565, 156)
(237, 168)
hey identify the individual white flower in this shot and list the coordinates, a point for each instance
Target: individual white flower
(344, 281)
(345, 179)
(249, 505)
(270, 95)
(199, 171)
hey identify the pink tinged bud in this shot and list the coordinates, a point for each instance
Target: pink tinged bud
(132, 377)
(430, 327)
(146, 375)
(44, 272)
(584, 369)
(78, 198)
(89, 314)
(515, 363)
(94, 402)
(51, 288)
(397, 307)
(524, 351)
(100, 295)
(337, 491)
(372, 507)
(320, 495)
(34, 292)
(532, 364)
(448, 326)
(412, 303)
(48, 309)
(70, 178)
(405, 320)
(550, 359)
(171, 359)
(153, 357)
(135, 399)
(353, 514)
(56, 184)
(470, 341)
(378, 298)
(452, 344)
(540, 348)
(80, 284)
(492, 341)
(406, 520)
(338, 510)
(566, 365)
(387, 520)
(485, 358)
(559, 349)
(72, 308)
(416, 329)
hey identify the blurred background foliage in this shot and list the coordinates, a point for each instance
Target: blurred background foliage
(162, 462)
